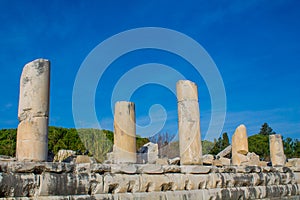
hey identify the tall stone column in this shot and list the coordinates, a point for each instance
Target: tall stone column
(276, 150)
(33, 113)
(239, 145)
(124, 133)
(188, 123)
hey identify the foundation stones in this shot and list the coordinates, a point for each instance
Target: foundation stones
(276, 150)
(124, 149)
(33, 113)
(188, 123)
(208, 159)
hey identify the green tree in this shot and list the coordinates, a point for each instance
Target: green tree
(140, 142)
(289, 149)
(297, 149)
(206, 146)
(259, 144)
(96, 142)
(225, 141)
(266, 130)
(8, 142)
(64, 138)
(220, 144)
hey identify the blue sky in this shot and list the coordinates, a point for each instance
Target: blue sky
(254, 44)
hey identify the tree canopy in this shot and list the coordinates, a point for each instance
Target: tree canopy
(220, 144)
(97, 142)
(100, 142)
(266, 130)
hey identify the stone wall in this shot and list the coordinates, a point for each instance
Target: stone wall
(146, 181)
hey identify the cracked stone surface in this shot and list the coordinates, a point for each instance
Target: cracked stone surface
(33, 112)
(44, 179)
(124, 149)
(188, 123)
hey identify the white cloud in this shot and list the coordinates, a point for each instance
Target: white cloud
(7, 106)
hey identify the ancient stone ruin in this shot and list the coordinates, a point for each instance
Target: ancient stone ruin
(276, 150)
(188, 123)
(124, 133)
(32, 136)
(239, 145)
(235, 173)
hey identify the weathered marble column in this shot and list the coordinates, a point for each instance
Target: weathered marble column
(188, 123)
(124, 133)
(276, 150)
(239, 145)
(32, 134)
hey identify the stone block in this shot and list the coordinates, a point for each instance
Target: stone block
(83, 168)
(177, 181)
(32, 140)
(294, 162)
(174, 161)
(151, 183)
(297, 177)
(64, 184)
(276, 150)
(162, 161)
(207, 159)
(150, 169)
(196, 169)
(96, 184)
(197, 181)
(225, 152)
(26, 167)
(148, 153)
(123, 168)
(171, 169)
(100, 168)
(83, 159)
(121, 183)
(19, 185)
(63, 154)
(217, 163)
(225, 161)
(239, 145)
(54, 167)
(124, 133)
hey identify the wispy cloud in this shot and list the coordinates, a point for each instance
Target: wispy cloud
(7, 106)
(8, 123)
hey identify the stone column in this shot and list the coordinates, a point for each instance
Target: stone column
(188, 123)
(239, 145)
(276, 150)
(124, 133)
(32, 134)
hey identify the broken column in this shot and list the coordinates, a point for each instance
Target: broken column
(239, 145)
(32, 134)
(124, 150)
(276, 150)
(188, 123)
